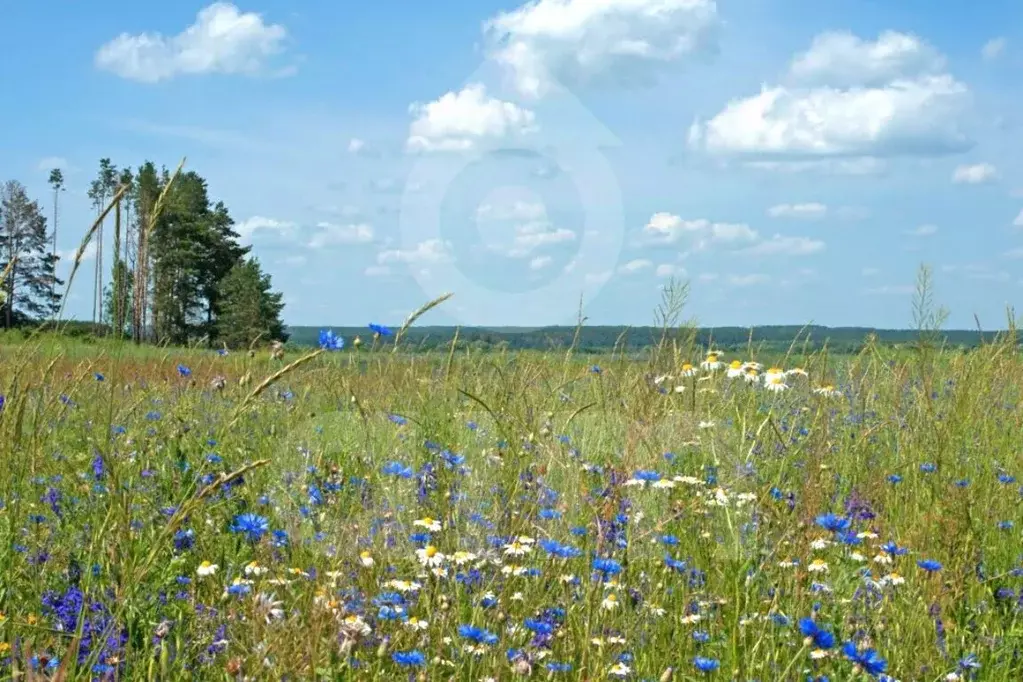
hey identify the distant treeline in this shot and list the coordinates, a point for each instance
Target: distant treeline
(603, 339)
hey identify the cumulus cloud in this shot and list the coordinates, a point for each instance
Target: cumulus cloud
(667, 228)
(540, 262)
(846, 99)
(516, 210)
(222, 40)
(50, 162)
(841, 59)
(461, 121)
(330, 234)
(670, 270)
(975, 174)
(576, 42)
(249, 228)
(810, 211)
(1018, 222)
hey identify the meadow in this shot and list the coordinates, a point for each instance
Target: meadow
(366, 513)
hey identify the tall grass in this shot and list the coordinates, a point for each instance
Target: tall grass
(593, 518)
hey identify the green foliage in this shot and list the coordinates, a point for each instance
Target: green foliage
(24, 246)
(250, 309)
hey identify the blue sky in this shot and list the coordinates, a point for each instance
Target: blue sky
(794, 160)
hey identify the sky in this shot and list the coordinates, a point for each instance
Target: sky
(794, 161)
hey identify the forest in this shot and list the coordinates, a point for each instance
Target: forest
(176, 272)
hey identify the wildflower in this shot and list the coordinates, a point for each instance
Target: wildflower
(428, 523)
(929, 565)
(476, 635)
(817, 636)
(610, 602)
(397, 469)
(869, 660)
(619, 669)
(607, 567)
(430, 556)
(706, 665)
(330, 341)
(409, 659)
(712, 362)
(254, 569)
(251, 525)
(516, 548)
(818, 566)
(206, 569)
(461, 558)
(366, 559)
(416, 624)
(687, 370)
(893, 579)
(184, 371)
(832, 522)
(775, 383)
(735, 370)
(403, 585)
(828, 391)
(379, 330)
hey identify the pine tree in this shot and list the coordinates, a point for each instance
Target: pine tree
(56, 181)
(101, 189)
(250, 309)
(29, 287)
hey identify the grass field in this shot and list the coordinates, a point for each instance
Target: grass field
(363, 514)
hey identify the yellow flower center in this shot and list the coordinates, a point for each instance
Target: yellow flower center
(430, 551)
(735, 364)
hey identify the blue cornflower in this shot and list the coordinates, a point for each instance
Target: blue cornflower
(239, 589)
(647, 476)
(894, 478)
(701, 637)
(379, 329)
(595, 369)
(555, 548)
(330, 341)
(969, 662)
(184, 371)
(706, 665)
(409, 659)
(549, 514)
(819, 637)
(558, 667)
(98, 376)
(893, 549)
(397, 469)
(869, 660)
(606, 567)
(669, 540)
(1006, 478)
(832, 522)
(184, 539)
(929, 565)
(253, 526)
(398, 419)
(928, 468)
(538, 626)
(476, 635)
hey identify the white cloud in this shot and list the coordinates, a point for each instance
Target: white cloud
(535, 235)
(847, 100)
(906, 117)
(331, 235)
(667, 228)
(593, 278)
(635, 266)
(377, 271)
(540, 262)
(841, 59)
(432, 251)
(69, 255)
(248, 228)
(460, 121)
(785, 246)
(974, 175)
(50, 162)
(355, 145)
(670, 270)
(993, 48)
(222, 40)
(1018, 222)
(923, 231)
(1013, 253)
(804, 211)
(574, 42)
(870, 272)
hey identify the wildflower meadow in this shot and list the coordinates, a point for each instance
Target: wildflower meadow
(362, 512)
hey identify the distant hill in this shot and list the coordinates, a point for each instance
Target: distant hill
(599, 339)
